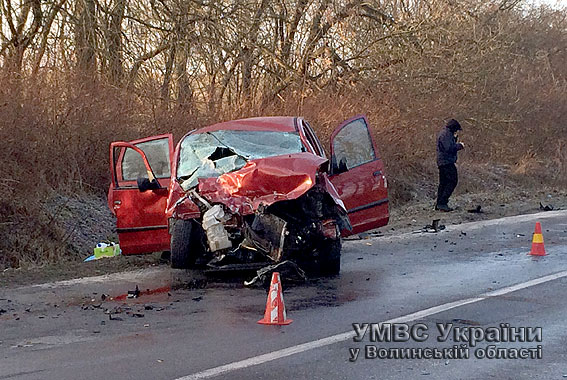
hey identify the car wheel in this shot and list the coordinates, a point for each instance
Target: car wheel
(184, 244)
(330, 257)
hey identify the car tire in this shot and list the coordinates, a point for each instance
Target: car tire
(184, 248)
(330, 257)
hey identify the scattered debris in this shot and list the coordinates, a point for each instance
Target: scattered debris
(197, 299)
(434, 227)
(291, 270)
(476, 210)
(543, 207)
(148, 307)
(137, 315)
(134, 293)
(115, 310)
(105, 250)
(104, 296)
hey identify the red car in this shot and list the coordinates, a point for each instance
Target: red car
(258, 190)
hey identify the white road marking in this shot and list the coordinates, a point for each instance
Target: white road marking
(507, 219)
(279, 354)
(470, 226)
(140, 274)
(133, 275)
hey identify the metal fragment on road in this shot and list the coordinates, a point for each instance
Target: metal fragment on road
(289, 267)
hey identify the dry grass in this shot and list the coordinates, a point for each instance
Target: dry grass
(55, 127)
(57, 140)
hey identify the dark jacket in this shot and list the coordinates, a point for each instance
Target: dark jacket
(447, 147)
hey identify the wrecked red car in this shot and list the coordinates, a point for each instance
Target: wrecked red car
(258, 190)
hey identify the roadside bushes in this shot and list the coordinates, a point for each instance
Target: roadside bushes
(501, 73)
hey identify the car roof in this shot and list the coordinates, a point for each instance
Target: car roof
(266, 123)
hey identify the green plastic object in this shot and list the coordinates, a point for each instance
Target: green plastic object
(108, 251)
(105, 250)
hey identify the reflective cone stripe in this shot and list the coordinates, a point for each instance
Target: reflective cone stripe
(538, 248)
(274, 303)
(275, 309)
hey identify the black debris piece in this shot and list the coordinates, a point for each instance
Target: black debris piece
(545, 207)
(288, 269)
(434, 227)
(198, 298)
(134, 293)
(476, 210)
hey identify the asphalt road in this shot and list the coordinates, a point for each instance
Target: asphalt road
(473, 276)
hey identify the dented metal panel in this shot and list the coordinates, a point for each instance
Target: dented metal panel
(264, 181)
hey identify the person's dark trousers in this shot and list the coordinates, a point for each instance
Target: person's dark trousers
(448, 179)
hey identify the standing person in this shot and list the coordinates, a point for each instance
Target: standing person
(447, 148)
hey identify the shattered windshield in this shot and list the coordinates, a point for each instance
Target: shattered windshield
(212, 154)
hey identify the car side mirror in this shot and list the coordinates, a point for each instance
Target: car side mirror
(144, 184)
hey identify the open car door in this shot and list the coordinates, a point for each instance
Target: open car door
(140, 172)
(357, 172)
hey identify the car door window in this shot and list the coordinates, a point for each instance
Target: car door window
(352, 146)
(157, 152)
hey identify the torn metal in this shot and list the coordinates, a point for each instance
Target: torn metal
(287, 269)
(287, 230)
(256, 198)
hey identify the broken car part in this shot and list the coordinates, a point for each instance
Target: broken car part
(258, 190)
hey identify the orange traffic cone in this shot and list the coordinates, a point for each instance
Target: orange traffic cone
(275, 308)
(538, 248)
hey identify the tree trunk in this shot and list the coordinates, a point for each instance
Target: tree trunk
(114, 41)
(85, 36)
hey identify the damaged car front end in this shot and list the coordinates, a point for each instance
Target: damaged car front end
(248, 193)
(241, 197)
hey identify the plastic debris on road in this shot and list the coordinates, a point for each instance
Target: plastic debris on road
(105, 250)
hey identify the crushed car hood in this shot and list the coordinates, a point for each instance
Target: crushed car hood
(266, 181)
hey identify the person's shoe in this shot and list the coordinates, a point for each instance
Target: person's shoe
(443, 208)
